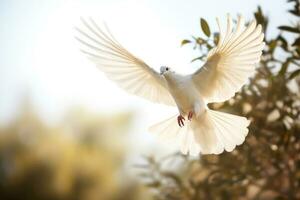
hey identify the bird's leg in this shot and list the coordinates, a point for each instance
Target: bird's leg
(180, 120)
(190, 115)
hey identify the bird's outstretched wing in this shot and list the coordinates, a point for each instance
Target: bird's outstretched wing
(231, 62)
(119, 65)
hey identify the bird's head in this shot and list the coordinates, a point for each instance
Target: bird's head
(165, 70)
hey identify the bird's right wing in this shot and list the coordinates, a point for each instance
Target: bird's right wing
(119, 65)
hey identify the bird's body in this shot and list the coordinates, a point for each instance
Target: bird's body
(184, 93)
(226, 70)
(202, 128)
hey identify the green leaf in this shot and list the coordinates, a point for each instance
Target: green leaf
(297, 42)
(183, 42)
(198, 58)
(205, 27)
(200, 41)
(260, 18)
(216, 38)
(284, 43)
(284, 67)
(272, 45)
(289, 29)
(294, 74)
(298, 51)
(294, 12)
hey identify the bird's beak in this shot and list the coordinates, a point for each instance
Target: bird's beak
(161, 73)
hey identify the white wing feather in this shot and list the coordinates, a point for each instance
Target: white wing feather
(231, 63)
(119, 65)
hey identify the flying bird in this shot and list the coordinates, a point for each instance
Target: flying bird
(227, 68)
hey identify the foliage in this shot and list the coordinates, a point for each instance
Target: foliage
(267, 165)
(79, 160)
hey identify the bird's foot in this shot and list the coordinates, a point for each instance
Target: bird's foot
(190, 115)
(180, 120)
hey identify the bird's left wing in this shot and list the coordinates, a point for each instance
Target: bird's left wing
(119, 65)
(231, 63)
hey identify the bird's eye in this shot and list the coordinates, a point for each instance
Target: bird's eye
(167, 68)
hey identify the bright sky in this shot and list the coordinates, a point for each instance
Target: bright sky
(39, 55)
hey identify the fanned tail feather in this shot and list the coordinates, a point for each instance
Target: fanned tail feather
(211, 133)
(167, 129)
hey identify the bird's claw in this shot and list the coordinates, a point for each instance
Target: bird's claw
(180, 120)
(190, 115)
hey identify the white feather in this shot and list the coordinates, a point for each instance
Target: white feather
(211, 133)
(227, 69)
(119, 65)
(231, 63)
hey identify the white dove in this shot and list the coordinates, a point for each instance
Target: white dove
(227, 69)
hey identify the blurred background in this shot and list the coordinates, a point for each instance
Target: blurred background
(67, 132)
